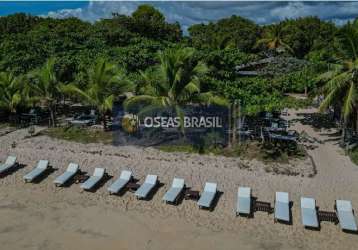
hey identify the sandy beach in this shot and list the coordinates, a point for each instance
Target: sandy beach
(41, 216)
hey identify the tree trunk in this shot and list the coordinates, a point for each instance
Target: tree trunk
(306, 91)
(52, 116)
(104, 122)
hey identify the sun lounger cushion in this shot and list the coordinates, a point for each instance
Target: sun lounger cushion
(282, 209)
(208, 195)
(345, 215)
(9, 163)
(147, 186)
(244, 200)
(94, 179)
(309, 212)
(176, 188)
(67, 175)
(123, 179)
(40, 169)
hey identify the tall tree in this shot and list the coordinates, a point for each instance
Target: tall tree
(174, 83)
(235, 31)
(342, 81)
(273, 38)
(44, 87)
(105, 82)
(10, 91)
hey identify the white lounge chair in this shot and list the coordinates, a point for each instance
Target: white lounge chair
(72, 169)
(9, 163)
(243, 205)
(309, 212)
(345, 215)
(177, 187)
(120, 183)
(149, 183)
(282, 207)
(207, 197)
(41, 167)
(98, 174)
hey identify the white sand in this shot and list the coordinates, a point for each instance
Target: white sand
(40, 216)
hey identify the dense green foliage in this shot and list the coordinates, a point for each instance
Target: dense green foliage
(145, 49)
(341, 88)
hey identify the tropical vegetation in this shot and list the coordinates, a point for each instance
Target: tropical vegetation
(44, 61)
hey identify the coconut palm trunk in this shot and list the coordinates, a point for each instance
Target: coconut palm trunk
(52, 110)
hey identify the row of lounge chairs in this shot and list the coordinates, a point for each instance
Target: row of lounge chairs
(245, 206)
(309, 210)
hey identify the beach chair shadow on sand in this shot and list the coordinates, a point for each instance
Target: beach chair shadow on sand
(119, 185)
(96, 181)
(148, 189)
(40, 172)
(210, 196)
(10, 166)
(70, 172)
(176, 191)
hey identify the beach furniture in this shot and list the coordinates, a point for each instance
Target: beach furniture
(282, 207)
(71, 170)
(98, 174)
(208, 195)
(150, 182)
(9, 163)
(121, 182)
(309, 212)
(243, 205)
(173, 193)
(41, 167)
(345, 215)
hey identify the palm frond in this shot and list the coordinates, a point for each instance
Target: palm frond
(135, 103)
(349, 101)
(209, 98)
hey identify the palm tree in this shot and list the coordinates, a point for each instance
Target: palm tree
(45, 88)
(273, 38)
(222, 42)
(10, 91)
(342, 80)
(105, 82)
(172, 84)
